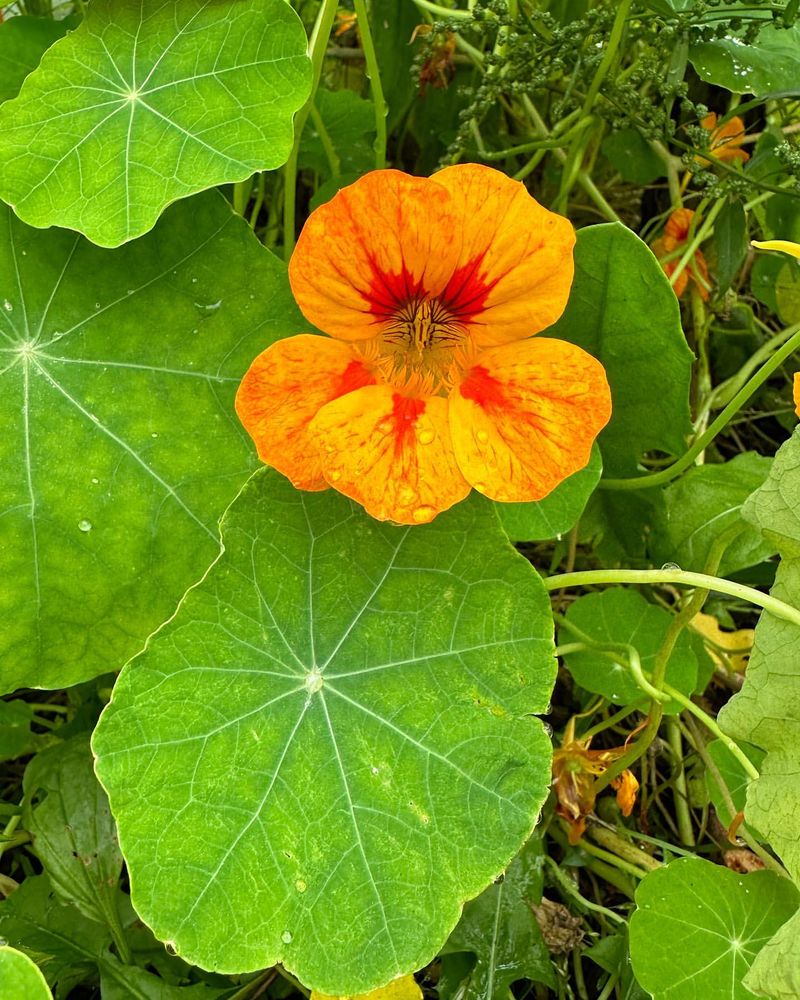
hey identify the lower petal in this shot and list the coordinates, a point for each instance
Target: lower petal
(525, 417)
(283, 391)
(390, 453)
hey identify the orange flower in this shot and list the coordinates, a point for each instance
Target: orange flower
(671, 244)
(725, 140)
(796, 393)
(575, 767)
(431, 385)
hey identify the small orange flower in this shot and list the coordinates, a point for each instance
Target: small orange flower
(796, 393)
(431, 384)
(671, 244)
(575, 767)
(725, 140)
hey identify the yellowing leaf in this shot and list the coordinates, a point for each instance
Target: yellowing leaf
(404, 988)
(735, 645)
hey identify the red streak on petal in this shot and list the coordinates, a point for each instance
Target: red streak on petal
(388, 293)
(405, 413)
(484, 389)
(355, 376)
(466, 292)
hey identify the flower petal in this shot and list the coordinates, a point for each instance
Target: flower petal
(282, 392)
(391, 453)
(525, 416)
(796, 393)
(785, 246)
(515, 263)
(377, 242)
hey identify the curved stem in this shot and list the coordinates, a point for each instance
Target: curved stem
(651, 576)
(687, 459)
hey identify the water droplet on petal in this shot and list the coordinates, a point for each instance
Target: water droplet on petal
(425, 437)
(85, 525)
(423, 514)
(482, 437)
(385, 426)
(335, 476)
(286, 937)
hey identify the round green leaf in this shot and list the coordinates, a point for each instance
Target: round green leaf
(147, 103)
(330, 746)
(558, 512)
(20, 977)
(698, 927)
(623, 311)
(769, 65)
(23, 42)
(623, 616)
(120, 449)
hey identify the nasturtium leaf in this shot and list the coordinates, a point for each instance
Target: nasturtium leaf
(73, 832)
(698, 927)
(500, 929)
(349, 124)
(393, 25)
(620, 615)
(558, 512)
(768, 65)
(330, 746)
(146, 103)
(730, 243)
(702, 505)
(20, 977)
(404, 988)
(120, 449)
(623, 310)
(16, 736)
(787, 292)
(775, 973)
(630, 154)
(23, 42)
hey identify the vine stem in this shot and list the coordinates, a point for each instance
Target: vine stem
(373, 72)
(748, 389)
(683, 577)
(317, 46)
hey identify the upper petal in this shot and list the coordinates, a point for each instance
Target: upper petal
(514, 268)
(525, 416)
(376, 243)
(391, 453)
(284, 389)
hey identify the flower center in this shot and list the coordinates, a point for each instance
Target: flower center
(421, 347)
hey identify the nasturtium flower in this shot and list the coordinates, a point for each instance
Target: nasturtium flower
(430, 382)
(725, 139)
(575, 768)
(668, 249)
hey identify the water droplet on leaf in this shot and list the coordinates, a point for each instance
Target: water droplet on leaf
(286, 937)
(85, 525)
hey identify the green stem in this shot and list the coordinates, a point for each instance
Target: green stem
(325, 139)
(318, 43)
(443, 12)
(373, 72)
(566, 884)
(614, 39)
(623, 848)
(686, 579)
(681, 797)
(611, 859)
(687, 459)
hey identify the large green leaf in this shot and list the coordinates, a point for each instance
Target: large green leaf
(330, 746)
(20, 977)
(622, 616)
(769, 65)
(624, 312)
(23, 42)
(147, 103)
(766, 712)
(500, 929)
(349, 133)
(698, 927)
(705, 503)
(120, 449)
(558, 512)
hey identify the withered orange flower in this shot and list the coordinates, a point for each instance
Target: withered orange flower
(671, 244)
(575, 767)
(725, 140)
(430, 383)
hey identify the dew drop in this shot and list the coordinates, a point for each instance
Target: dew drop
(7, 306)
(385, 426)
(335, 476)
(85, 525)
(300, 886)
(95, 480)
(154, 434)
(194, 281)
(375, 770)
(170, 948)
(286, 937)
(671, 566)
(97, 305)
(208, 307)
(482, 437)
(423, 513)
(425, 437)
